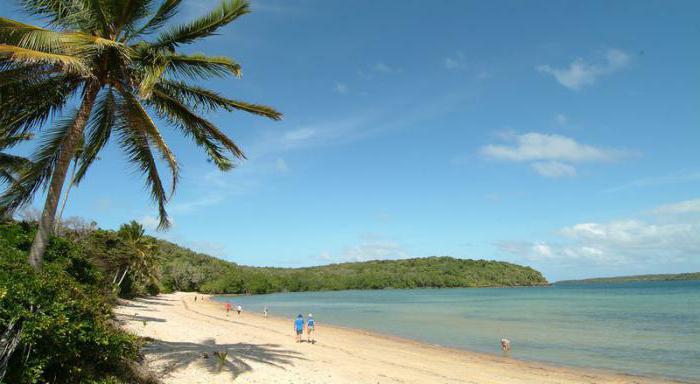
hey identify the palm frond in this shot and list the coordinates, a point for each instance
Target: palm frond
(202, 66)
(155, 64)
(26, 105)
(34, 72)
(11, 141)
(128, 13)
(38, 174)
(204, 132)
(136, 145)
(72, 43)
(69, 63)
(205, 99)
(167, 9)
(98, 131)
(71, 14)
(138, 118)
(226, 12)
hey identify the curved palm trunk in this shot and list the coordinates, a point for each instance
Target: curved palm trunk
(71, 181)
(41, 240)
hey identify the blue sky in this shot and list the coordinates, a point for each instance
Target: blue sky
(561, 134)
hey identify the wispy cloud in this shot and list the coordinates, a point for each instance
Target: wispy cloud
(371, 246)
(561, 119)
(341, 88)
(553, 169)
(550, 155)
(377, 69)
(281, 165)
(455, 63)
(581, 73)
(151, 223)
(680, 208)
(383, 68)
(673, 178)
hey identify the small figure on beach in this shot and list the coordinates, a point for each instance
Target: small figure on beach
(228, 308)
(239, 309)
(195, 298)
(299, 327)
(310, 326)
(505, 345)
(265, 311)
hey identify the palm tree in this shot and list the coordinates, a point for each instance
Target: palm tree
(107, 55)
(142, 258)
(11, 165)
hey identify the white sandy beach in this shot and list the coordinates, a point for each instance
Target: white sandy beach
(263, 350)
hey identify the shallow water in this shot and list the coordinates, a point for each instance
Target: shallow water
(649, 328)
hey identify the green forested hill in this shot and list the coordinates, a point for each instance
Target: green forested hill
(626, 279)
(183, 269)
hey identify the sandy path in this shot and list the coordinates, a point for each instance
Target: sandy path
(263, 351)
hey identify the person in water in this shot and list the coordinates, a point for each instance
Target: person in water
(239, 309)
(265, 311)
(299, 327)
(310, 325)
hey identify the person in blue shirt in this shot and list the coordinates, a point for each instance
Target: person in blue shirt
(299, 327)
(310, 324)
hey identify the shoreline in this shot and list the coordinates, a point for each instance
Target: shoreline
(342, 354)
(496, 357)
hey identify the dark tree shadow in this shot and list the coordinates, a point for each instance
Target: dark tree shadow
(181, 354)
(154, 300)
(137, 317)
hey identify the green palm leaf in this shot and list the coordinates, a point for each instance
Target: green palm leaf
(226, 12)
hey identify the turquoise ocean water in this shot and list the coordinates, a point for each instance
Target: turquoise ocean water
(650, 328)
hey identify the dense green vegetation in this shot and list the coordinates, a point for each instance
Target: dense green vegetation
(627, 279)
(56, 324)
(183, 269)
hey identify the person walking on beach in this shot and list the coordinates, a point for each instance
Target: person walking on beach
(299, 327)
(239, 309)
(265, 312)
(310, 325)
(228, 308)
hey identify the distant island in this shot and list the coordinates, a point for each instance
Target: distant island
(627, 279)
(185, 270)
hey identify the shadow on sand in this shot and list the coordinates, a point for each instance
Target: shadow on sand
(137, 317)
(178, 355)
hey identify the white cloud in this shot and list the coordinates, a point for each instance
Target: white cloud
(581, 73)
(561, 119)
(683, 207)
(150, 223)
(631, 242)
(553, 169)
(674, 178)
(341, 88)
(383, 68)
(535, 146)
(457, 62)
(299, 134)
(281, 165)
(193, 205)
(371, 247)
(549, 155)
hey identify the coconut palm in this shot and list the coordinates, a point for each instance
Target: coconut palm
(111, 57)
(11, 165)
(141, 258)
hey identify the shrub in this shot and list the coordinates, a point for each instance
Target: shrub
(67, 334)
